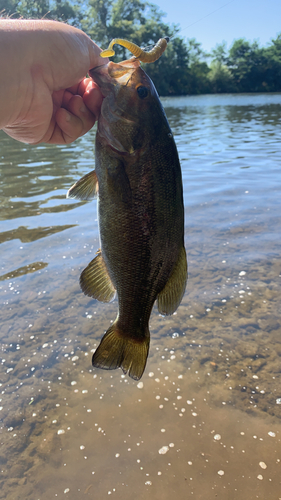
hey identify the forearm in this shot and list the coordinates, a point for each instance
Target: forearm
(15, 71)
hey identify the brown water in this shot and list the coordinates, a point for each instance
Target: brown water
(205, 420)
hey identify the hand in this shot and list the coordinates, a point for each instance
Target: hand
(45, 96)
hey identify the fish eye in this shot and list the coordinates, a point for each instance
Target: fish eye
(142, 91)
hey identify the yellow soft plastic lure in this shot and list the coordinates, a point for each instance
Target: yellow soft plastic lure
(146, 57)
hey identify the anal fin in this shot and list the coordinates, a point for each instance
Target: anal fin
(95, 280)
(86, 188)
(170, 297)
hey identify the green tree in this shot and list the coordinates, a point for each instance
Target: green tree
(171, 73)
(60, 10)
(247, 63)
(138, 21)
(221, 78)
(272, 73)
(219, 53)
(8, 7)
(198, 68)
(220, 75)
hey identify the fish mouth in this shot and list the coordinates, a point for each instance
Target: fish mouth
(111, 74)
(116, 115)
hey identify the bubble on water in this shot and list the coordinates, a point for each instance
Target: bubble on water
(189, 402)
(217, 437)
(242, 273)
(278, 401)
(82, 447)
(117, 455)
(272, 434)
(73, 382)
(263, 465)
(61, 431)
(171, 445)
(260, 477)
(175, 335)
(163, 450)
(221, 472)
(148, 483)
(66, 490)
(163, 430)
(75, 358)
(151, 374)
(140, 385)
(189, 462)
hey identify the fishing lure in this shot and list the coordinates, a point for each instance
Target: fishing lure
(146, 57)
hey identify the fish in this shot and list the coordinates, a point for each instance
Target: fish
(138, 182)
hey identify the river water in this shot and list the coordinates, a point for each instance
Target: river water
(205, 421)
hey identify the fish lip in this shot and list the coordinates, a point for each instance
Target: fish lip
(96, 67)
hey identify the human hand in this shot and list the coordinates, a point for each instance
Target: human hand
(45, 96)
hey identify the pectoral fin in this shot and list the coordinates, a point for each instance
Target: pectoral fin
(95, 280)
(86, 188)
(170, 297)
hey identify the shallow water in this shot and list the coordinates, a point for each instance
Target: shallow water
(205, 420)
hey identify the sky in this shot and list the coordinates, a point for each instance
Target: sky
(251, 19)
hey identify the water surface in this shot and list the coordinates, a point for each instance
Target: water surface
(205, 421)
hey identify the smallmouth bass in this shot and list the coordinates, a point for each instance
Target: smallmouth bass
(141, 214)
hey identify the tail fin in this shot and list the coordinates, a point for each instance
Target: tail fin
(117, 349)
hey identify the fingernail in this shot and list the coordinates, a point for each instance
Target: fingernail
(67, 117)
(83, 109)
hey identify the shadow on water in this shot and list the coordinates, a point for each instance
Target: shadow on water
(204, 421)
(26, 235)
(31, 268)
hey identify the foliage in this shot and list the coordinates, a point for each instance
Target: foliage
(184, 68)
(60, 10)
